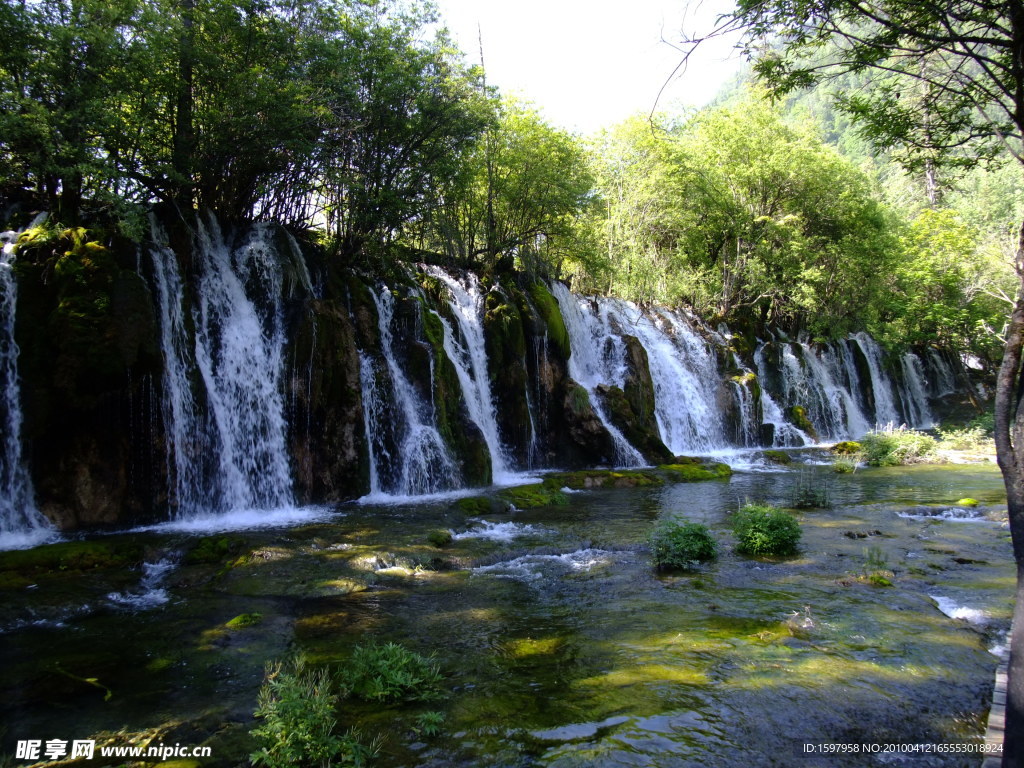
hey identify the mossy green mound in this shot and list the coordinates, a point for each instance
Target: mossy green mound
(604, 478)
(777, 457)
(692, 473)
(474, 505)
(72, 556)
(547, 308)
(846, 448)
(967, 502)
(245, 620)
(536, 495)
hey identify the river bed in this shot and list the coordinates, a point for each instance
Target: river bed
(560, 644)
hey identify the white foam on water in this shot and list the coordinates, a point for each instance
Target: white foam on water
(531, 567)
(496, 531)
(149, 594)
(949, 607)
(242, 519)
(950, 514)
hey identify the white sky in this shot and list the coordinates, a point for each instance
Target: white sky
(588, 64)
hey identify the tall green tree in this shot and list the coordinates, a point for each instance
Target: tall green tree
(964, 60)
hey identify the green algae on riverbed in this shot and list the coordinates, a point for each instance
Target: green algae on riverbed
(559, 642)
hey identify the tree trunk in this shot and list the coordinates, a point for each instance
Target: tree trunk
(1009, 437)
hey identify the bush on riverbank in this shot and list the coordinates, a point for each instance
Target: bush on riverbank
(891, 447)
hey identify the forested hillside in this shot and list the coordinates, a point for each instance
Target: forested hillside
(363, 130)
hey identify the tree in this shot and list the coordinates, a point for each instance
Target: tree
(523, 188)
(964, 62)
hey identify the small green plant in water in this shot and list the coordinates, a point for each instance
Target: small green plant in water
(429, 724)
(844, 465)
(391, 672)
(440, 538)
(682, 545)
(765, 530)
(297, 706)
(875, 571)
(809, 492)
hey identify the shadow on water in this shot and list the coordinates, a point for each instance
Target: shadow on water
(560, 645)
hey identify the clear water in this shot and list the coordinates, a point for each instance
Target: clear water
(560, 645)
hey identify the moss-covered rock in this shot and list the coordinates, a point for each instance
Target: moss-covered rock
(590, 438)
(846, 448)
(72, 556)
(604, 478)
(536, 495)
(777, 457)
(547, 307)
(631, 409)
(505, 342)
(798, 415)
(244, 621)
(475, 505)
(691, 473)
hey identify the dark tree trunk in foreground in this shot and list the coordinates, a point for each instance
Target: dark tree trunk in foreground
(1009, 436)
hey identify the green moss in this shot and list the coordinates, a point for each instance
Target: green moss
(72, 556)
(798, 415)
(245, 620)
(474, 505)
(548, 309)
(692, 473)
(777, 457)
(578, 399)
(440, 538)
(536, 495)
(213, 549)
(846, 448)
(967, 502)
(604, 478)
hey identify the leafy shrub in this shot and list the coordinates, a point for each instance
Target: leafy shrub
(891, 447)
(682, 545)
(391, 672)
(765, 530)
(297, 706)
(429, 724)
(967, 439)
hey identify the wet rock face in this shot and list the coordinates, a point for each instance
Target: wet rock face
(589, 440)
(327, 438)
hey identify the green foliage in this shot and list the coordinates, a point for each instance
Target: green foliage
(682, 545)
(389, 673)
(895, 446)
(429, 724)
(763, 530)
(846, 448)
(297, 706)
(966, 439)
(535, 495)
(875, 571)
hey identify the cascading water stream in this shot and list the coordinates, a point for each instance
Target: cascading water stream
(885, 408)
(231, 455)
(597, 358)
(915, 395)
(784, 434)
(468, 353)
(408, 456)
(21, 524)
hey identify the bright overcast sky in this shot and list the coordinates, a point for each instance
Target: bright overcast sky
(588, 64)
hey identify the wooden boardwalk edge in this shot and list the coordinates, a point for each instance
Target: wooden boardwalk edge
(996, 720)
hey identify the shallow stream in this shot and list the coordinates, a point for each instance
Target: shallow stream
(560, 644)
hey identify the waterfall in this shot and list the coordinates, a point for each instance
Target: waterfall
(21, 524)
(685, 381)
(915, 396)
(408, 456)
(468, 354)
(943, 382)
(598, 357)
(834, 405)
(784, 434)
(232, 454)
(885, 408)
